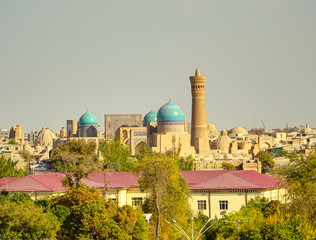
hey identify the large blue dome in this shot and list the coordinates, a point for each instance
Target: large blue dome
(150, 117)
(88, 119)
(170, 112)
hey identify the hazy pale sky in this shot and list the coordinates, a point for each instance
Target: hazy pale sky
(60, 58)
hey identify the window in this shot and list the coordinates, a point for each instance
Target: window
(223, 205)
(136, 201)
(201, 204)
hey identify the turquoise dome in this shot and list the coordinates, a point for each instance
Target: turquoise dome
(150, 117)
(170, 112)
(88, 119)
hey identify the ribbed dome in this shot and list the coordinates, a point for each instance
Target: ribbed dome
(238, 131)
(170, 112)
(88, 119)
(223, 141)
(150, 117)
(45, 138)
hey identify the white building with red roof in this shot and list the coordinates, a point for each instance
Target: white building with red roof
(213, 193)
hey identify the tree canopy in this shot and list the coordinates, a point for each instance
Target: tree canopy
(261, 220)
(300, 177)
(228, 166)
(75, 156)
(20, 218)
(266, 161)
(8, 168)
(116, 156)
(86, 214)
(161, 177)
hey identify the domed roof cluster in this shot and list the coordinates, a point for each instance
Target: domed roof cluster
(88, 119)
(168, 112)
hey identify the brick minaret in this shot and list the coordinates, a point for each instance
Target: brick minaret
(198, 120)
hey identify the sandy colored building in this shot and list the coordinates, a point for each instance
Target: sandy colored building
(112, 123)
(169, 133)
(16, 133)
(213, 193)
(13, 151)
(134, 137)
(86, 129)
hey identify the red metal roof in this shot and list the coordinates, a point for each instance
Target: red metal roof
(7, 180)
(196, 180)
(116, 179)
(229, 180)
(36, 183)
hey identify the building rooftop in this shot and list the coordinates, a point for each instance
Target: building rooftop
(196, 180)
(150, 117)
(169, 112)
(88, 119)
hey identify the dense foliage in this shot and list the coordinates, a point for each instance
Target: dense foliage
(228, 166)
(80, 213)
(116, 156)
(168, 191)
(300, 177)
(8, 168)
(261, 220)
(20, 218)
(75, 156)
(266, 161)
(86, 215)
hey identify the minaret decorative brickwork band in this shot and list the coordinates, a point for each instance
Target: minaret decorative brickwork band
(198, 120)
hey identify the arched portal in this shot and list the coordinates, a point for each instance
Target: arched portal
(124, 134)
(140, 146)
(265, 145)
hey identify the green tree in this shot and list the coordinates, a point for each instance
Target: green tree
(8, 168)
(282, 153)
(21, 219)
(168, 190)
(12, 141)
(266, 161)
(91, 217)
(250, 216)
(75, 156)
(228, 166)
(186, 163)
(27, 158)
(116, 155)
(300, 177)
(262, 220)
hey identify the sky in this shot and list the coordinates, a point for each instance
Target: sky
(59, 59)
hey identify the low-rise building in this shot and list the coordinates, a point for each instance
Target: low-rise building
(213, 193)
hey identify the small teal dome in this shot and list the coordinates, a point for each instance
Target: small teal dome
(170, 112)
(150, 117)
(88, 119)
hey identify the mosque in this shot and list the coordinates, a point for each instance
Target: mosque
(167, 130)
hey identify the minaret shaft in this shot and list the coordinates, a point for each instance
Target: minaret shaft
(198, 120)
